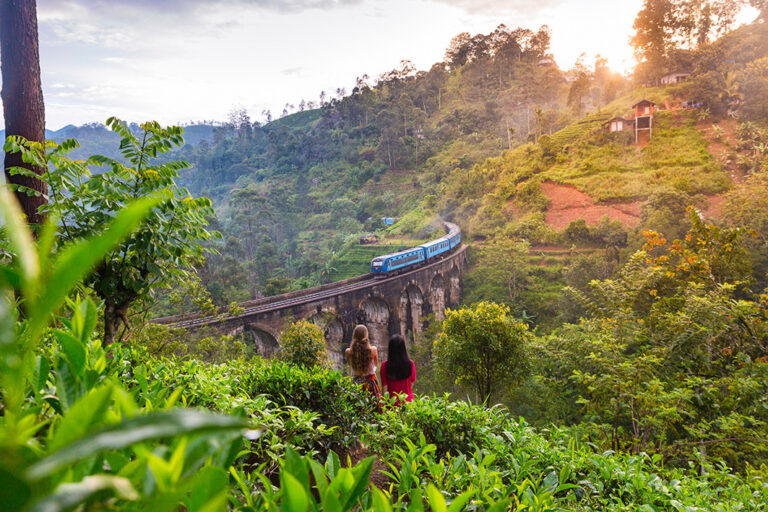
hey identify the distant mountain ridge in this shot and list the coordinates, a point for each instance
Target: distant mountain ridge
(95, 138)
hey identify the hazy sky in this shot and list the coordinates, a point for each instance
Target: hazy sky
(183, 60)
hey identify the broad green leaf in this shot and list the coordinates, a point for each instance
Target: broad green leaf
(206, 489)
(67, 386)
(297, 466)
(21, 240)
(458, 504)
(68, 496)
(40, 377)
(380, 501)
(417, 505)
(295, 497)
(332, 464)
(84, 414)
(156, 425)
(74, 350)
(499, 506)
(14, 492)
(86, 317)
(321, 478)
(361, 473)
(77, 259)
(436, 499)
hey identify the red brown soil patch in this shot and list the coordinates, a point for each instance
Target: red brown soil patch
(378, 477)
(723, 146)
(714, 209)
(568, 204)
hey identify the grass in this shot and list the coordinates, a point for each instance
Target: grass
(676, 158)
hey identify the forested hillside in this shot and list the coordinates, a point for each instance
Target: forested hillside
(299, 190)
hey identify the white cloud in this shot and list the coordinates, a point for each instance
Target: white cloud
(503, 7)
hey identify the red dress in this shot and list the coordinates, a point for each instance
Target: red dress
(397, 387)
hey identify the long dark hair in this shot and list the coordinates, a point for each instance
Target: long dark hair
(361, 349)
(398, 362)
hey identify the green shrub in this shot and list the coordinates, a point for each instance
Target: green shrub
(303, 345)
(453, 427)
(337, 400)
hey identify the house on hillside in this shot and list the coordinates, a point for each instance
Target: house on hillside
(619, 124)
(674, 78)
(641, 123)
(643, 119)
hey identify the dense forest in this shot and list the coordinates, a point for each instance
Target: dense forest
(610, 351)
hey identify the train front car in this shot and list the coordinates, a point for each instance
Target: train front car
(392, 263)
(377, 264)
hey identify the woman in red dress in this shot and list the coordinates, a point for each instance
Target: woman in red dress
(398, 372)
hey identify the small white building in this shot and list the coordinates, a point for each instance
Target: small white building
(674, 78)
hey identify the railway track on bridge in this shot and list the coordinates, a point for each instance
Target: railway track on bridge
(302, 299)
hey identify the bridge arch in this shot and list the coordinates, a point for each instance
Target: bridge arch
(262, 337)
(411, 311)
(437, 296)
(374, 312)
(454, 286)
(333, 330)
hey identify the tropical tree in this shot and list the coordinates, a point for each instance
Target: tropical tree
(482, 346)
(23, 107)
(303, 344)
(168, 244)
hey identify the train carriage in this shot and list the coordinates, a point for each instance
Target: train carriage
(398, 260)
(381, 266)
(436, 247)
(454, 234)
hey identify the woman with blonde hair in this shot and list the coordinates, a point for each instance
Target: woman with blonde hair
(363, 360)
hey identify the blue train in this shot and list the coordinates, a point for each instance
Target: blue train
(389, 264)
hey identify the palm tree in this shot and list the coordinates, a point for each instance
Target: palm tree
(328, 269)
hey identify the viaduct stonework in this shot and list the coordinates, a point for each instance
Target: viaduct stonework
(397, 304)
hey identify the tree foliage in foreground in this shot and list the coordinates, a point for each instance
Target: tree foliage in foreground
(674, 356)
(166, 246)
(65, 419)
(482, 346)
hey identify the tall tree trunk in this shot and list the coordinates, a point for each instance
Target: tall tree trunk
(114, 315)
(22, 95)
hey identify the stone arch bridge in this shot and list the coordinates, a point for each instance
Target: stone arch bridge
(396, 304)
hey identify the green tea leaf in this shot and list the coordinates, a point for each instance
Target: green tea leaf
(457, 505)
(20, 238)
(68, 496)
(40, 377)
(82, 416)
(73, 349)
(156, 425)
(295, 497)
(206, 489)
(361, 473)
(14, 492)
(436, 499)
